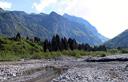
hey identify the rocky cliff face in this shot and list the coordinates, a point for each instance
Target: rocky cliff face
(46, 25)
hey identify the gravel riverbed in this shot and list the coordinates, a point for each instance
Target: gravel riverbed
(66, 69)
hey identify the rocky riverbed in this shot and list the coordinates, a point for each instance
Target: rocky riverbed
(66, 69)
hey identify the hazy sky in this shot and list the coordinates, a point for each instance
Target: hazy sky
(110, 17)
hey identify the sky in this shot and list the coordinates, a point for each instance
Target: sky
(110, 17)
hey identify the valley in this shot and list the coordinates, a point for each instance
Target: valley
(58, 48)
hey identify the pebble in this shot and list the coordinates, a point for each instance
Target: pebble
(79, 70)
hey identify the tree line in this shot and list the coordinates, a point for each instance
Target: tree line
(60, 44)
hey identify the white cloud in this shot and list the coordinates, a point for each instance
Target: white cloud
(5, 5)
(43, 4)
(57, 5)
(109, 16)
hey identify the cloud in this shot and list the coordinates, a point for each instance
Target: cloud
(59, 6)
(43, 4)
(5, 5)
(109, 16)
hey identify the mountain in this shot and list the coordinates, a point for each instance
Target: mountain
(46, 25)
(87, 26)
(119, 41)
(1, 10)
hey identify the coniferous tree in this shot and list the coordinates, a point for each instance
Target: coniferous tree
(79, 47)
(53, 43)
(45, 45)
(87, 47)
(58, 43)
(71, 44)
(27, 38)
(102, 48)
(18, 36)
(1, 46)
(64, 44)
(36, 39)
(74, 44)
(49, 46)
(95, 48)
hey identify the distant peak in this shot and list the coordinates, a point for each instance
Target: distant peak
(43, 14)
(54, 14)
(65, 14)
(126, 30)
(1, 10)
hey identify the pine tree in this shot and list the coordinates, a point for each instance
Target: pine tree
(18, 36)
(64, 44)
(102, 48)
(58, 43)
(71, 43)
(53, 43)
(45, 45)
(36, 39)
(27, 38)
(87, 47)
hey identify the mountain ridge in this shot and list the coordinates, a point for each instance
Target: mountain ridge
(119, 41)
(45, 26)
(86, 24)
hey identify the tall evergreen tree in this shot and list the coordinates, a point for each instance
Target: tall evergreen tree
(56, 43)
(102, 48)
(36, 39)
(87, 47)
(71, 43)
(45, 45)
(18, 36)
(64, 43)
(53, 43)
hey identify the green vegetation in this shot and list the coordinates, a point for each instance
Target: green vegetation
(22, 48)
(17, 49)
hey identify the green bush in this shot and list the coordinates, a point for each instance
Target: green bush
(124, 50)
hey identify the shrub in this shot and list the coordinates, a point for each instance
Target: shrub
(124, 50)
